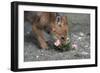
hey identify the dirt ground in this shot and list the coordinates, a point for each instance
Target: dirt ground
(79, 25)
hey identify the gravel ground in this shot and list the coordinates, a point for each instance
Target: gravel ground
(80, 36)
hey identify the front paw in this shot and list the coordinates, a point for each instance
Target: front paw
(44, 46)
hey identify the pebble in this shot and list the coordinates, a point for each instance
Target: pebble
(80, 54)
(42, 54)
(86, 46)
(81, 34)
(79, 38)
(28, 32)
(84, 53)
(37, 56)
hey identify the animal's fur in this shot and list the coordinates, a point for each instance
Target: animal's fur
(56, 24)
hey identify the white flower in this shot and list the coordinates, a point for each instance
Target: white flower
(74, 46)
(57, 43)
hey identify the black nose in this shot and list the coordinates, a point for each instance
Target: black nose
(62, 38)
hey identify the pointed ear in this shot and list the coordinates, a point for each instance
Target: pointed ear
(65, 20)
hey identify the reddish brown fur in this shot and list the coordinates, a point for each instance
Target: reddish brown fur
(47, 19)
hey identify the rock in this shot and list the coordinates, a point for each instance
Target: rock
(84, 53)
(37, 56)
(81, 34)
